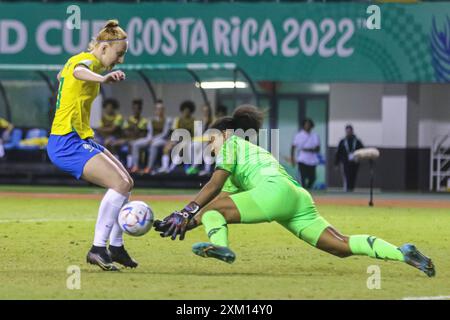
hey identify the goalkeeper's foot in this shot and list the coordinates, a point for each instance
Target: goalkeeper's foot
(120, 255)
(99, 256)
(209, 250)
(416, 259)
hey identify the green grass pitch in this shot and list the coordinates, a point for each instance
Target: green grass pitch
(41, 238)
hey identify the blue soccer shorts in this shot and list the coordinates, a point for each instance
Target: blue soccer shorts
(70, 153)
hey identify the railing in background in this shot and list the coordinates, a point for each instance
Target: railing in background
(440, 164)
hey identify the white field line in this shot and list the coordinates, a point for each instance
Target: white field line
(43, 220)
(428, 298)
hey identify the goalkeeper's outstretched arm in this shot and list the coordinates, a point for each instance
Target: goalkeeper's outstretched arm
(213, 188)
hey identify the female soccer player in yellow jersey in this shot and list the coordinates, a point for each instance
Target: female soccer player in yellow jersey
(71, 148)
(250, 186)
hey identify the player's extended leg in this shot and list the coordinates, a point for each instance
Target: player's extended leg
(103, 171)
(308, 225)
(215, 218)
(333, 242)
(342, 246)
(116, 247)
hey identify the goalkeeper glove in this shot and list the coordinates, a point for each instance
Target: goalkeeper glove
(178, 222)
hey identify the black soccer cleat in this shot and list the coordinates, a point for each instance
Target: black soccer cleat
(99, 256)
(120, 255)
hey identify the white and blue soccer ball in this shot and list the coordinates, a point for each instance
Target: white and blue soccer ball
(136, 218)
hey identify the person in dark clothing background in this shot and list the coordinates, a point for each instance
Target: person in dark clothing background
(344, 156)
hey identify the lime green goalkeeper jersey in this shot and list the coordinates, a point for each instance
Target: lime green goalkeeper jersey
(248, 165)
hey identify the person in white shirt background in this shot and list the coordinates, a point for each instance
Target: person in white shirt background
(304, 151)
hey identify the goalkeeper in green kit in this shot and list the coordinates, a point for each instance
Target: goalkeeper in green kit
(250, 186)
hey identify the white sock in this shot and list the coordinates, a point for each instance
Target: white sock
(107, 216)
(176, 160)
(172, 167)
(116, 236)
(165, 161)
(2, 151)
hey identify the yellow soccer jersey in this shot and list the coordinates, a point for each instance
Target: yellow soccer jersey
(133, 122)
(135, 128)
(73, 105)
(184, 123)
(4, 124)
(107, 121)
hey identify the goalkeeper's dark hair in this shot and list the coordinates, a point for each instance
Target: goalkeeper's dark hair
(245, 117)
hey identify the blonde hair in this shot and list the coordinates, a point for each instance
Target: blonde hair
(110, 32)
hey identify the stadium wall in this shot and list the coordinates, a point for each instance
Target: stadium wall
(399, 119)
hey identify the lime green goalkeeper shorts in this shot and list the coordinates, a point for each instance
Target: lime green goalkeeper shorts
(280, 200)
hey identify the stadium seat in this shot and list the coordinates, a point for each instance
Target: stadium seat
(36, 133)
(16, 136)
(33, 134)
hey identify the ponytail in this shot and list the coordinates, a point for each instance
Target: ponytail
(109, 33)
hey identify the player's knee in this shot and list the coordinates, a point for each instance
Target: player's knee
(123, 185)
(131, 181)
(129, 185)
(341, 253)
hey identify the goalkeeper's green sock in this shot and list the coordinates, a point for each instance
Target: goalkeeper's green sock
(374, 247)
(216, 227)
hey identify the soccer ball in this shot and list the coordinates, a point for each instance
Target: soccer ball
(135, 218)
